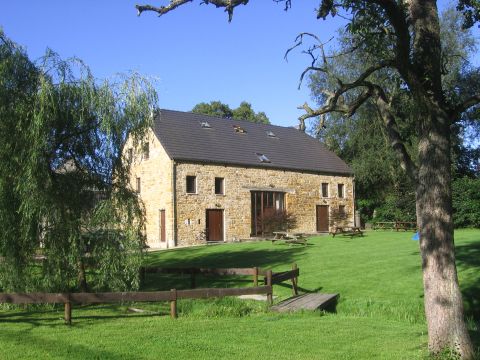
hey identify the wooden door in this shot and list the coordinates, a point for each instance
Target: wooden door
(161, 223)
(214, 225)
(322, 218)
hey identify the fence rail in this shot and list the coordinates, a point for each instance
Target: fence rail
(68, 299)
(395, 225)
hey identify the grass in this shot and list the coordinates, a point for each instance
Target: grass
(379, 315)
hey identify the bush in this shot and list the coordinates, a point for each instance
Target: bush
(278, 221)
(466, 202)
(399, 207)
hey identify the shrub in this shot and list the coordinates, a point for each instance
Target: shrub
(466, 202)
(278, 221)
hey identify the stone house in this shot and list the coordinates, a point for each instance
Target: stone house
(204, 178)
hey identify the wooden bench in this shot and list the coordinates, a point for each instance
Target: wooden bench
(347, 231)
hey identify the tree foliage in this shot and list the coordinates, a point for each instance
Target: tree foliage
(243, 112)
(466, 202)
(64, 184)
(362, 141)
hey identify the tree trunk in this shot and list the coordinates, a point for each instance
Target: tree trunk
(82, 278)
(443, 299)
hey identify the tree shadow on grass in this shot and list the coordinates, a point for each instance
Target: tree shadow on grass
(82, 315)
(468, 258)
(274, 258)
(58, 347)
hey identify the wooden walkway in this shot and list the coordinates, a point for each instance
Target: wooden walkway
(311, 301)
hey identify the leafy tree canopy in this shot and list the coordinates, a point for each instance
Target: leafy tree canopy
(64, 184)
(243, 112)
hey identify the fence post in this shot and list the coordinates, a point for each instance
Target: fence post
(269, 283)
(68, 311)
(294, 280)
(255, 276)
(173, 304)
(192, 279)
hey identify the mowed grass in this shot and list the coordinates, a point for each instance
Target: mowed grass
(379, 315)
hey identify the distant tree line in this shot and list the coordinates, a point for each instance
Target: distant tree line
(243, 112)
(383, 191)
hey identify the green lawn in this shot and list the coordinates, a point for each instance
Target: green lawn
(379, 315)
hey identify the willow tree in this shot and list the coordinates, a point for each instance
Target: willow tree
(404, 36)
(64, 182)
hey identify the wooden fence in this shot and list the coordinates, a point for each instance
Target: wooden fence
(395, 225)
(255, 272)
(154, 296)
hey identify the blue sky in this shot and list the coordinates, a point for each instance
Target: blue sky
(194, 52)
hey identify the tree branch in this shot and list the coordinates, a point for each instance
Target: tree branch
(229, 5)
(455, 113)
(396, 140)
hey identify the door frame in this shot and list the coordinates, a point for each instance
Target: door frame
(316, 217)
(162, 220)
(207, 230)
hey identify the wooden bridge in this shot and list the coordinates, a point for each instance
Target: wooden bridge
(309, 301)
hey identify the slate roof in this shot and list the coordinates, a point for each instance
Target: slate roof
(184, 139)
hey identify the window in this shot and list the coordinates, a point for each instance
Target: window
(130, 155)
(263, 158)
(325, 190)
(138, 185)
(341, 211)
(340, 191)
(191, 184)
(219, 190)
(238, 129)
(146, 151)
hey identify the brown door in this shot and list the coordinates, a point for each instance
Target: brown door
(322, 218)
(215, 225)
(161, 222)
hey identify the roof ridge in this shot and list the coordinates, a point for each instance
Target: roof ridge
(230, 119)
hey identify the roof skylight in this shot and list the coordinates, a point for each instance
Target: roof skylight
(239, 129)
(263, 158)
(271, 134)
(205, 125)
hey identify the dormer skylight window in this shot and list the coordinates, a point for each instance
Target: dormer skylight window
(205, 125)
(239, 129)
(271, 134)
(263, 158)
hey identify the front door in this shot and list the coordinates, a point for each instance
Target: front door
(215, 225)
(322, 218)
(161, 227)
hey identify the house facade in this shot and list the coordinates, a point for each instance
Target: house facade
(206, 179)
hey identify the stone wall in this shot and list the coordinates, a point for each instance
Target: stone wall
(303, 193)
(156, 189)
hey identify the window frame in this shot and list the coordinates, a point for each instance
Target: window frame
(325, 193)
(191, 178)
(221, 185)
(138, 186)
(146, 151)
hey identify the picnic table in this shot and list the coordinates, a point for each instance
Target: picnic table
(289, 238)
(347, 231)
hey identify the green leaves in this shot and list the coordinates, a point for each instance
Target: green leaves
(62, 176)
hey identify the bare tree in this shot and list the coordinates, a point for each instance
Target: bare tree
(404, 38)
